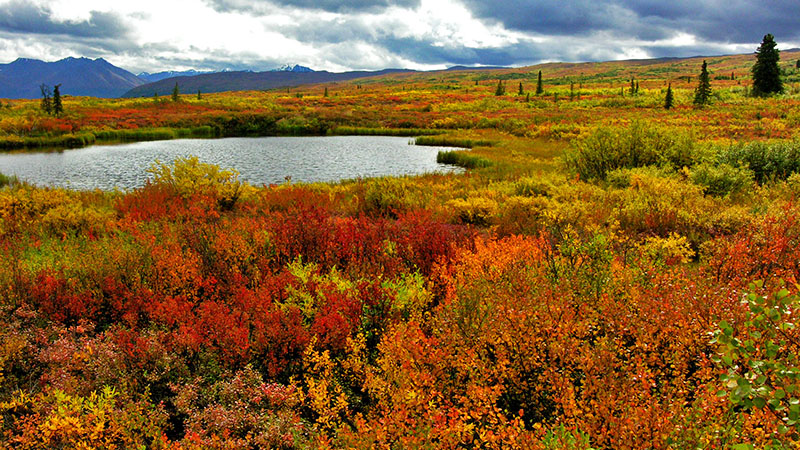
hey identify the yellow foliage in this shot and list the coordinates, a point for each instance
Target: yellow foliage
(324, 394)
(474, 210)
(188, 176)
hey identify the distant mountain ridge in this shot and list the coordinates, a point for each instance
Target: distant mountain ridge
(297, 68)
(158, 76)
(249, 81)
(77, 76)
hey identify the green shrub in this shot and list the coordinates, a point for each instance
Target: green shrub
(768, 161)
(636, 146)
(386, 197)
(723, 179)
(8, 180)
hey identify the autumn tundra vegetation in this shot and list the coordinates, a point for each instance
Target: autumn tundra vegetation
(617, 269)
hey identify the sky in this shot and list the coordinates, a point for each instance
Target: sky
(336, 35)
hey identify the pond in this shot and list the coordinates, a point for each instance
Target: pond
(268, 160)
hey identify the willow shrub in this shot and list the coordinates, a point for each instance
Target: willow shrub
(638, 145)
(768, 161)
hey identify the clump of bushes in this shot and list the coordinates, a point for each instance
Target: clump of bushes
(474, 210)
(188, 176)
(767, 161)
(722, 179)
(638, 145)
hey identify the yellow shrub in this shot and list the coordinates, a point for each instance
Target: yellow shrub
(188, 176)
(474, 210)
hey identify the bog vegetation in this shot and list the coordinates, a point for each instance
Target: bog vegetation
(609, 274)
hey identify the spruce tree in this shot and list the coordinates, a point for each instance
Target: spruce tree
(521, 92)
(47, 104)
(702, 94)
(176, 92)
(539, 86)
(326, 93)
(501, 90)
(199, 95)
(58, 108)
(766, 74)
(797, 64)
(669, 100)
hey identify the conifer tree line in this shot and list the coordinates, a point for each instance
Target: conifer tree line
(766, 76)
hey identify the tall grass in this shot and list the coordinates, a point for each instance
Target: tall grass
(8, 180)
(450, 141)
(79, 140)
(462, 158)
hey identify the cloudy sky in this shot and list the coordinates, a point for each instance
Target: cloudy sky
(338, 35)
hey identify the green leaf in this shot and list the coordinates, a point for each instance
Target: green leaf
(743, 447)
(779, 394)
(759, 402)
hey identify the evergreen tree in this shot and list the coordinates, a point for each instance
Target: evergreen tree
(797, 64)
(47, 104)
(571, 90)
(633, 86)
(702, 94)
(766, 74)
(176, 92)
(669, 100)
(539, 86)
(528, 97)
(326, 93)
(199, 95)
(58, 108)
(521, 92)
(501, 89)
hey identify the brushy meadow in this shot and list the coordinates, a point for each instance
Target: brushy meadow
(607, 274)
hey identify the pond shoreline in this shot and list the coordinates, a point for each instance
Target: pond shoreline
(260, 160)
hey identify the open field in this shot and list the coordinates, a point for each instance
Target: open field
(584, 285)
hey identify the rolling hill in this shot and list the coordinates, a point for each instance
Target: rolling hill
(248, 81)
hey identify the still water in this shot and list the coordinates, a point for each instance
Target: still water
(259, 160)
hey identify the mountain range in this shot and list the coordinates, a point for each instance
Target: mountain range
(247, 81)
(99, 78)
(77, 76)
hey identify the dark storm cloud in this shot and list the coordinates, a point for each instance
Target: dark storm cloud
(341, 6)
(23, 17)
(426, 52)
(732, 21)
